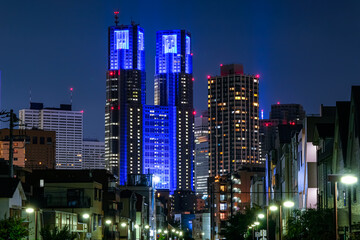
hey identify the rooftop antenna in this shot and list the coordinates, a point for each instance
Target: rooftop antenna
(30, 96)
(71, 95)
(116, 13)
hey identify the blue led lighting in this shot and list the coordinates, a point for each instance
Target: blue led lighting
(121, 39)
(187, 45)
(159, 155)
(169, 43)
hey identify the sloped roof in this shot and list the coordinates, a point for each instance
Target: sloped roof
(8, 187)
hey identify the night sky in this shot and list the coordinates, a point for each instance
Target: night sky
(306, 52)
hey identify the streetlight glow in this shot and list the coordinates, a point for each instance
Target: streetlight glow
(256, 223)
(108, 222)
(136, 226)
(273, 208)
(123, 224)
(159, 231)
(173, 230)
(261, 216)
(29, 210)
(147, 226)
(165, 231)
(349, 179)
(86, 216)
(288, 204)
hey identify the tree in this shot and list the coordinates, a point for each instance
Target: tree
(312, 224)
(12, 228)
(238, 225)
(54, 234)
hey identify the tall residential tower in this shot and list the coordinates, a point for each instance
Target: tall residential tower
(233, 104)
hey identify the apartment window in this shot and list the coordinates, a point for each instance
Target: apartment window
(222, 216)
(222, 197)
(223, 206)
(42, 140)
(48, 140)
(34, 140)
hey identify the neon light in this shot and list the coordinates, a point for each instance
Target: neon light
(121, 39)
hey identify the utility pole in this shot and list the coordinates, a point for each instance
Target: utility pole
(11, 150)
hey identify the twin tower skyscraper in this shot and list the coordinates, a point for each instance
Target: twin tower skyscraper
(150, 139)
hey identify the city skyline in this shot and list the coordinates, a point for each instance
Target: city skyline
(274, 47)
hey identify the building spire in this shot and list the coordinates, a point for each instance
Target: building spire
(116, 17)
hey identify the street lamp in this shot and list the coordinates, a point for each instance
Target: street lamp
(147, 226)
(347, 180)
(108, 222)
(261, 216)
(123, 224)
(287, 204)
(29, 210)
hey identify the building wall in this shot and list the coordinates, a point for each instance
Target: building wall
(93, 156)
(68, 126)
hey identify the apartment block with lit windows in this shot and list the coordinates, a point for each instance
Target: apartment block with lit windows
(233, 105)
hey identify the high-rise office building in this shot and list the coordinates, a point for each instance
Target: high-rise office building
(150, 139)
(67, 124)
(93, 156)
(125, 95)
(173, 87)
(233, 104)
(201, 158)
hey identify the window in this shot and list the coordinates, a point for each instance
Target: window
(48, 140)
(223, 206)
(222, 188)
(222, 197)
(42, 140)
(222, 216)
(34, 140)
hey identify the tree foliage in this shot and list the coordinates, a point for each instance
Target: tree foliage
(56, 234)
(12, 228)
(237, 226)
(312, 224)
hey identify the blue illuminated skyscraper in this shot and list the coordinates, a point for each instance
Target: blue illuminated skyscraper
(150, 139)
(125, 95)
(174, 88)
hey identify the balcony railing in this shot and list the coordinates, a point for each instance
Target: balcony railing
(64, 202)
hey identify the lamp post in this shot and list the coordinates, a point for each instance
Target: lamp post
(87, 217)
(346, 179)
(31, 210)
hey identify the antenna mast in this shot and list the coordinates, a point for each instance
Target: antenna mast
(71, 95)
(116, 13)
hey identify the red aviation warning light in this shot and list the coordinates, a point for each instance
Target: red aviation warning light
(257, 76)
(194, 112)
(208, 76)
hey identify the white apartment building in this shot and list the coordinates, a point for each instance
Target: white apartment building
(93, 154)
(68, 126)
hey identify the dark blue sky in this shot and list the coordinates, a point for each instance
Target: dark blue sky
(306, 52)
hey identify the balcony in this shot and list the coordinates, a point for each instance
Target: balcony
(64, 202)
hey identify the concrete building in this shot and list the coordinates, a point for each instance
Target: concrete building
(201, 158)
(33, 149)
(233, 105)
(230, 194)
(93, 156)
(67, 124)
